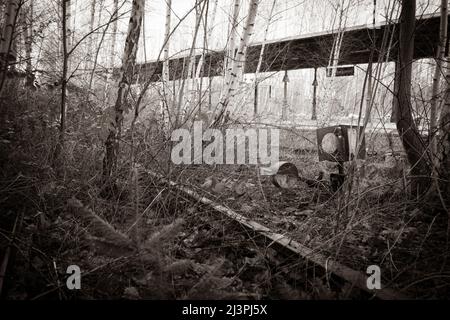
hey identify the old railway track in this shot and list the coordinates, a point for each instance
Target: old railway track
(288, 246)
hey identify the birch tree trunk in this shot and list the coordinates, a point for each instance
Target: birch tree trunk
(65, 19)
(99, 45)
(207, 33)
(191, 88)
(166, 75)
(260, 59)
(125, 77)
(230, 55)
(69, 32)
(112, 51)
(27, 20)
(114, 34)
(7, 38)
(208, 38)
(239, 60)
(11, 14)
(189, 75)
(91, 36)
(266, 32)
(166, 71)
(407, 129)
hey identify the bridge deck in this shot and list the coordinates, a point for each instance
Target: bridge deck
(311, 51)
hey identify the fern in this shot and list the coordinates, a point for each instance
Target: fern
(98, 226)
(166, 233)
(179, 267)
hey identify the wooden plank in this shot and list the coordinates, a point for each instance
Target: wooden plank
(358, 279)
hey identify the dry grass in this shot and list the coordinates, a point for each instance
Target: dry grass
(146, 240)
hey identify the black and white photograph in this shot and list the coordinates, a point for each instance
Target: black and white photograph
(237, 152)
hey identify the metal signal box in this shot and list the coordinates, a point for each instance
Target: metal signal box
(338, 143)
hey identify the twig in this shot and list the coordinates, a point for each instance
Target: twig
(145, 211)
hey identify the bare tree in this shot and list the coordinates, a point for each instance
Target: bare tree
(7, 38)
(26, 16)
(436, 79)
(114, 34)
(91, 29)
(191, 59)
(444, 125)
(65, 6)
(207, 40)
(112, 49)
(166, 41)
(266, 32)
(128, 61)
(166, 72)
(230, 55)
(238, 62)
(407, 129)
(261, 56)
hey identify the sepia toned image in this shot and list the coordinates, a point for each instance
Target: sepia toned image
(224, 150)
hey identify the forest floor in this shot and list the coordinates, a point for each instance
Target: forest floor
(145, 239)
(374, 225)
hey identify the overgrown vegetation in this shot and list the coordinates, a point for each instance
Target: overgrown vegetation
(78, 157)
(141, 236)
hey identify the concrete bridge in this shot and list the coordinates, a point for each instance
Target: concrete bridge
(312, 51)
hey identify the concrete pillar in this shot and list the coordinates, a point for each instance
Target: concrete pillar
(314, 100)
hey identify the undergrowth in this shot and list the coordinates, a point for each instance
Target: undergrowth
(142, 238)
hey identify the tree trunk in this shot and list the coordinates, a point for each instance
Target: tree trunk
(207, 39)
(126, 73)
(189, 75)
(65, 17)
(435, 99)
(444, 126)
(6, 41)
(191, 87)
(27, 21)
(239, 59)
(112, 52)
(165, 107)
(114, 34)
(91, 36)
(99, 45)
(444, 150)
(230, 56)
(266, 32)
(166, 74)
(69, 32)
(261, 56)
(62, 125)
(395, 108)
(407, 129)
